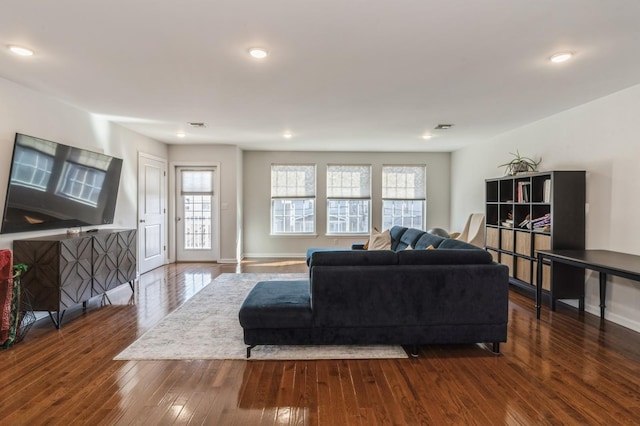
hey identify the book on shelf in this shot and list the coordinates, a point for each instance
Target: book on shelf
(541, 222)
(528, 223)
(546, 191)
(524, 190)
(525, 222)
(542, 219)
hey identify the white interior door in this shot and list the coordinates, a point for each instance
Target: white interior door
(152, 212)
(196, 215)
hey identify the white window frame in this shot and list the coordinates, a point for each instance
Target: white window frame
(405, 193)
(196, 188)
(293, 188)
(349, 186)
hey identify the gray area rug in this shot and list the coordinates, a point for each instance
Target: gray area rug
(206, 327)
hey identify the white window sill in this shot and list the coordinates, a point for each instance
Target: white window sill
(294, 235)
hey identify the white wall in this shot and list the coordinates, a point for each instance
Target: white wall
(23, 110)
(229, 157)
(257, 197)
(601, 137)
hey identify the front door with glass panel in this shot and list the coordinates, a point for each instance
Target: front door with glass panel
(196, 215)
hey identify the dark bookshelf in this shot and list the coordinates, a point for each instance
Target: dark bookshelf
(511, 201)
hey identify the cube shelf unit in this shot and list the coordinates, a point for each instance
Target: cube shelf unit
(510, 200)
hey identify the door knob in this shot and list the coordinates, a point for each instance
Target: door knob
(141, 220)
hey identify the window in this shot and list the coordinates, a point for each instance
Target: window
(293, 199)
(403, 196)
(348, 199)
(196, 189)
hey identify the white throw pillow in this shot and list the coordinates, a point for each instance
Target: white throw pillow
(380, 240)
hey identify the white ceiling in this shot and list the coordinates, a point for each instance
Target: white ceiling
(342, 75)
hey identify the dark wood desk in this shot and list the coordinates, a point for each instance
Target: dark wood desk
(604, 261)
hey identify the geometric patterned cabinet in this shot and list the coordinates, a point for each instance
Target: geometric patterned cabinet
(66, 270)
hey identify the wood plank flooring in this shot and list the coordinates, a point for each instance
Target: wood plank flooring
(566, 368)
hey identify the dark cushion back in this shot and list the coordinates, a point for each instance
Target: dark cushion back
(409, 238)
(450, 243)
(444, 257)
(354, 258)
(396, 233)
(427, 240)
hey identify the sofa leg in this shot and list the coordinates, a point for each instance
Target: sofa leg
(496, 348)
(414, 351)
(249, 350)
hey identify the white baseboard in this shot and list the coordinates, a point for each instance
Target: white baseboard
(618, 319)
(227, 261)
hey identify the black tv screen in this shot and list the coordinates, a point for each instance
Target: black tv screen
(54, 186)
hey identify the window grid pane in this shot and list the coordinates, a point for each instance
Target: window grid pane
(292, 216)
(348, 199)
(348, 216)
(293, 190)
(197, 222)
(403, 196)
(407, 213)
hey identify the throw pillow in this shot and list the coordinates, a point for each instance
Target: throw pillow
(430, 247)
(366, 244)
(409, 248)
(380, 240)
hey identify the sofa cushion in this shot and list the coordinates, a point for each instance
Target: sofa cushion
(312, 250)
(408, 238)
(277, 304)
(444, 257)
(427, 240)
(450, 243)
(354, 258)
(396, 233)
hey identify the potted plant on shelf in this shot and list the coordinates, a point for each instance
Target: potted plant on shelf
(520, 164)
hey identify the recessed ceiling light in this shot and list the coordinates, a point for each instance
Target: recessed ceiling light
(287, 135)
(181, 134)
(561, 57)
(258, 52)
(22, 51)
(427, 136)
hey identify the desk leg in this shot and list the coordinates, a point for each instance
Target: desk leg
(603, 293)
(539, 287)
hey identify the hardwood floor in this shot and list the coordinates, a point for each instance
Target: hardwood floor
(564, 369)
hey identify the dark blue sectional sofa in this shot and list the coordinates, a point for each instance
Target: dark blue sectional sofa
(454, 293)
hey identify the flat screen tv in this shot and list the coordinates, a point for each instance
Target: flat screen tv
(53, 186)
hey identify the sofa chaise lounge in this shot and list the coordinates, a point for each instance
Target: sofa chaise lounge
(408, 297)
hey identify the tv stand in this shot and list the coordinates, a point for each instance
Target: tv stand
(66, 270)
